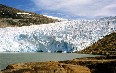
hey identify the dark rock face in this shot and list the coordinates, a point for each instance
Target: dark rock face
(108, 67)
(104, 64)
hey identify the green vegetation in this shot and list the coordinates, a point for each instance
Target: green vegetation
(104, 46)
(12, 17)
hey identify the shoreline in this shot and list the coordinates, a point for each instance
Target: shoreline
(13, 58)
(87, 64)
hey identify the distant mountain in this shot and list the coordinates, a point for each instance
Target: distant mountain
(105, 46)
(13, 17)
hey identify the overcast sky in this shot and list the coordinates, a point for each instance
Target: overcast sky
(67, 8)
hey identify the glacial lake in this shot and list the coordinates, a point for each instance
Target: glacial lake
(12, 58)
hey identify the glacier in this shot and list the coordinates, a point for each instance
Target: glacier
(65, 36)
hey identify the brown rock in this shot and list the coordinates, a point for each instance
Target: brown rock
(45, 67)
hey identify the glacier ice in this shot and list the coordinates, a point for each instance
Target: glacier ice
(64, 36)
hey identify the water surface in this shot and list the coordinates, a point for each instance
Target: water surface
(11, 58)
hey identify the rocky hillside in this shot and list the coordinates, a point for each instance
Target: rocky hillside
(105, 46)
(13, 17)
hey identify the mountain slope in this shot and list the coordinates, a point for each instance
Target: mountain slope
(13, 17)
(106, 45)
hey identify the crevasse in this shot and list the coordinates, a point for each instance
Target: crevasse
(64, 36)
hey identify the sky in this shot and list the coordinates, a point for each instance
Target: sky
(71, 9)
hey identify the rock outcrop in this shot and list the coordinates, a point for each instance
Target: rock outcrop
(45, 67)
(102, 64)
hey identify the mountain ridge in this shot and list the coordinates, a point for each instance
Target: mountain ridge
(14, 17)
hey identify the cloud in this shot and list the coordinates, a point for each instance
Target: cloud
(109, 10)
(89, 8)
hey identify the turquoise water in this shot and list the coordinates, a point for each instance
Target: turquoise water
(11, 58)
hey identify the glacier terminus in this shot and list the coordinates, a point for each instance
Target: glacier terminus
(65, 36)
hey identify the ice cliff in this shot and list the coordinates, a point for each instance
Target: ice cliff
(64, 36)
